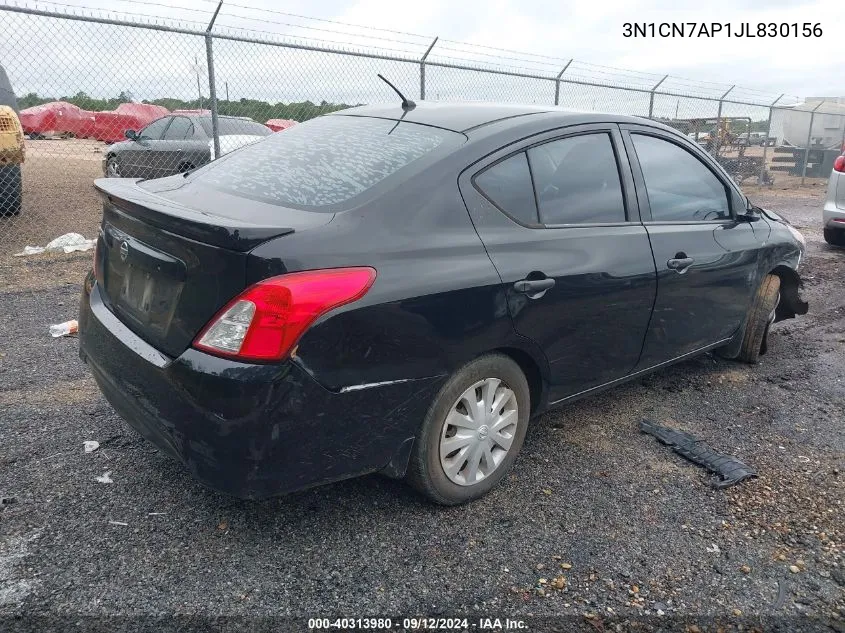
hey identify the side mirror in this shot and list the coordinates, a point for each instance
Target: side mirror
(132, 135)
(751, 215)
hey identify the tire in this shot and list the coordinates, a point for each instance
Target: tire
(113, 169)
(759, 319)
(426, 470)
(834, 237)
(11, 190)
(183, 167)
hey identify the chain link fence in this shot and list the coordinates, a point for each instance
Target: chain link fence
(99, 96)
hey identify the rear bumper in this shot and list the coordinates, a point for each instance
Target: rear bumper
(833, 216)
(251, 431)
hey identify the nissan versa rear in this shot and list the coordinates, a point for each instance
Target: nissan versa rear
(401, 290)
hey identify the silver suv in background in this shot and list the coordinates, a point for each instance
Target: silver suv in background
(834, 206)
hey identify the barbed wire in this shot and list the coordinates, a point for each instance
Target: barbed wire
(477, 56)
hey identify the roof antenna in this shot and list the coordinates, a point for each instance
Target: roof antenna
(407, 104)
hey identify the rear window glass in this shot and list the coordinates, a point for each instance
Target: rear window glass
(231, 127)
(323, 162)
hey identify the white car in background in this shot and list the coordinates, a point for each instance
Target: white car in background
(833, 215)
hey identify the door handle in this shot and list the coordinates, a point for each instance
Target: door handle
(533, 286)
(680, 264)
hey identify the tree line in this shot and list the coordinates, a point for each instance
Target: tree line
(255, 109)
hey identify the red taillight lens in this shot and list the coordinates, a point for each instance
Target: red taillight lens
(839, 164)
(266, 320)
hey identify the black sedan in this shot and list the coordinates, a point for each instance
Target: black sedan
(177, 143)
(402, 290)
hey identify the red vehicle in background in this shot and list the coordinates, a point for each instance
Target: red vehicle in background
(111, 126)
(277, 125)
(57, 118)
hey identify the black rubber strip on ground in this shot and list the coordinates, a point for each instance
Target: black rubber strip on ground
(729, 469)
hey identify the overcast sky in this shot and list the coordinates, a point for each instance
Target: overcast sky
(546, 33)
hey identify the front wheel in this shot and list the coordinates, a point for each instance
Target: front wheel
(113, 167)
(472, 432)
(761, 315)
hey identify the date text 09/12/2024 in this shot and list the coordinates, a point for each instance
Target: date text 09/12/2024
(418, 623)
(721, 29)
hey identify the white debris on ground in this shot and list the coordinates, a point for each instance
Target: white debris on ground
(67, 243)
(64, 329)
(105, 478)
(90, 445)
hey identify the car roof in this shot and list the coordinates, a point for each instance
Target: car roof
(455, 116)
(466, 116)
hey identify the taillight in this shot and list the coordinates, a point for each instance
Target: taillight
(266, 320)
(839, 164)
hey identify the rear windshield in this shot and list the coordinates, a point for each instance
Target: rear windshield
(323, 162)
(231, 127)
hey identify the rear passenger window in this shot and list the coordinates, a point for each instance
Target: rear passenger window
(577, 180)
(680, 187)
(508, 185)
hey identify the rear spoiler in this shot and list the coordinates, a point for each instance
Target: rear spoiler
(127, 197)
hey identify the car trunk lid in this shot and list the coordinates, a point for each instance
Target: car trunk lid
(167, 267)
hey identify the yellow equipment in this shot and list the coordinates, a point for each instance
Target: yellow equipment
(12, 150)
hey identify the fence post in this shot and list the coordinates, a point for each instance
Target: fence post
(557, 82)
(719, 121)
(761, 180)
(809, 136)
(422, 67)
(212, 87)
(651, 97)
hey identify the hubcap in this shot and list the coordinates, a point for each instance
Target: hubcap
(478, 432)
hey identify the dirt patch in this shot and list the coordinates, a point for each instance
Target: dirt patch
(81, 391)
(58, 193)
(44, 271)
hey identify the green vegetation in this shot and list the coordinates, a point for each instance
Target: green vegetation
(257, 110)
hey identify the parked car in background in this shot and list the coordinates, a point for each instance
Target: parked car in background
(177, 143)
(757, 138)
(57, 118)
(111, 125)
(12, 149)
(403, 289)
(277, 125)
(833, 216)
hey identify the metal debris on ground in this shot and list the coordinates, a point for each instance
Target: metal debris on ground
(67, 243)
(729, 469)
(90, 445)
(105, 478)
(64, 329)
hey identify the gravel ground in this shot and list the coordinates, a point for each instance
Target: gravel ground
(597, 528)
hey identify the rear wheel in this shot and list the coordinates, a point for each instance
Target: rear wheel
(760, 317)
(11, 190)
(472, 432)
(835, 237)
